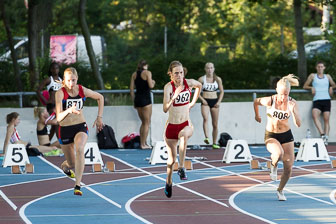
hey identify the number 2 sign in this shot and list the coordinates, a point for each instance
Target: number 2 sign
(237, 151)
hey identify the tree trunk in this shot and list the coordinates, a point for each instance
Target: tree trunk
(16, 66)
(88, 44)
(33, 43)
(302, 62)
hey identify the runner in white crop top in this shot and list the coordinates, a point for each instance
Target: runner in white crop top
(209, 86)
(211, 101)
(277, 114)
(279, 139)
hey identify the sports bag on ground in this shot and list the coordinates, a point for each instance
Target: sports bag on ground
(223, 139)
(131, 141)
(106, 138)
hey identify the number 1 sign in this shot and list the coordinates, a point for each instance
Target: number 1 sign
(312, 149)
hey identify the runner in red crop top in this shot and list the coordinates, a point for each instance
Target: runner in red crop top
(176, 101)
(73, 131)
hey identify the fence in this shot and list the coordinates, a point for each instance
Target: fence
(253, 93)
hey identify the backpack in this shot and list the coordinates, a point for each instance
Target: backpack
(106, 138)
(131, 141)
(223, 139)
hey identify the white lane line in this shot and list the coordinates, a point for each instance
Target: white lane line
(87, 187)
(233, 204)
(8, 200)
(80, 215)
(103, 197)
(231, 199)
(302, 167)
(332, 196)
(268, 183)
(31, 181)
(308, 170)
(22, 209)
(128, 207)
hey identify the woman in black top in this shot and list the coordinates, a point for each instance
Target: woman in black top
(143, 82)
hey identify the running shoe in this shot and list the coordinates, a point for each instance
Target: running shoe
(182, 174)
(168, 190)
(281, 196)
(215, 146)
(69, 173)
(55, 152)
(274, 172)
(77, 191)
(207, 141)
(325, 139)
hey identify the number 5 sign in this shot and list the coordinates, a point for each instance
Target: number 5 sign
(16, 154)
(237, 151)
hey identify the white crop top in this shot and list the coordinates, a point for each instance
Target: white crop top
(209, 87)
(54, 85)
(280, 115)
(15, 137)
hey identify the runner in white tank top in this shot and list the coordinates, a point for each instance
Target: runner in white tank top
(211, 102)
(321, 86)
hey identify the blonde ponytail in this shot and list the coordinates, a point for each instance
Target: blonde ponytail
(288, 81)
(38, 111)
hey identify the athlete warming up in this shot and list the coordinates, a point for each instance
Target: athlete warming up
(73, 131)
(176, 101)
(278, 136)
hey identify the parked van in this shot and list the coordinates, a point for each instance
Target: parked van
(21, 48)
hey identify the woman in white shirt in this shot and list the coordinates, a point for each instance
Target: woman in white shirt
(279, 139)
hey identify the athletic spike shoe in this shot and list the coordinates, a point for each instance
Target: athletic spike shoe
(215, 146)
(182, 174)
(69, 173)
(207, 141)
(325, 139)
(274, 172)
(281, 196)
(168, 190)
(77, 191)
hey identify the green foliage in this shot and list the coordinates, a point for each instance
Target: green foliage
(243, 38)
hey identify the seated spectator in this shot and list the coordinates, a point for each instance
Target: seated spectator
(13, 137)
(44, 119)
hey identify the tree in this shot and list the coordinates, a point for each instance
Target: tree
(32, 42)
(302, 62)
(88, 44)
(16, 66)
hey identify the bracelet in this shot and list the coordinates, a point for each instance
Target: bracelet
(100, 116)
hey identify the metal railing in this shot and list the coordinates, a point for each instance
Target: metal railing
(254, 92)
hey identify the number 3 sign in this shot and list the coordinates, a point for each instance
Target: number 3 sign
(237, 151)
(16, 154)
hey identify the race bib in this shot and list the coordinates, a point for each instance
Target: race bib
(78, 102)
(182, 98)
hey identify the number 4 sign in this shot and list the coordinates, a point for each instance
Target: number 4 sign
(92, 154)
(16, 154)
(237, 151)
(312, 149)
